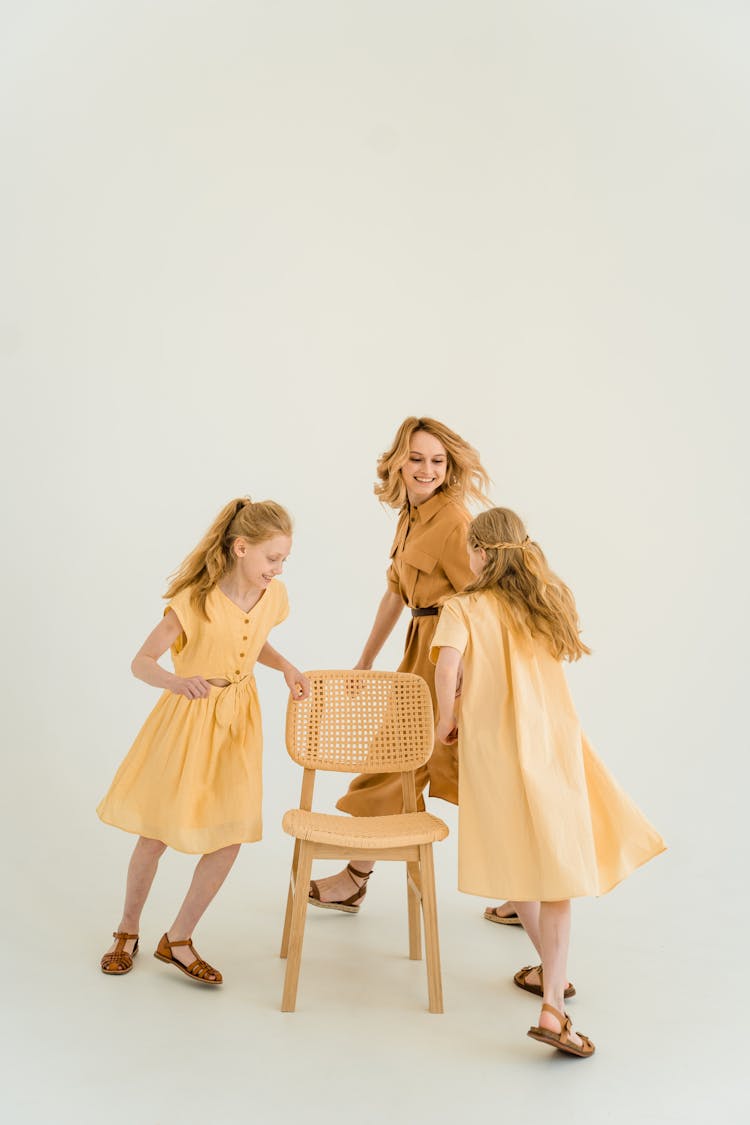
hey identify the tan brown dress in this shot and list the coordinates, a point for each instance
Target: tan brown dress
(429, 562)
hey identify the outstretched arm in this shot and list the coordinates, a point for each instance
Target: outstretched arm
(388, 613)
(145, 664)
(296, 681)
(446, 677)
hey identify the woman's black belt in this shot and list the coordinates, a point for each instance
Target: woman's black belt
(426, 611)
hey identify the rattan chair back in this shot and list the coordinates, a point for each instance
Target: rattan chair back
(361, 722)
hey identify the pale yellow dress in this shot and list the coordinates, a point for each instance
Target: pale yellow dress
(540, 818)
(193, 776)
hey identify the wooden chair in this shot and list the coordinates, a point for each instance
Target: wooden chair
(363, 722)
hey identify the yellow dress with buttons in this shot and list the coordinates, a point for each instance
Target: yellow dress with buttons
(193, 776)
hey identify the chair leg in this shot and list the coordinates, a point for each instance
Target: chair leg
(297, 929)
(431, 940)
(290, 901)
(413, 898)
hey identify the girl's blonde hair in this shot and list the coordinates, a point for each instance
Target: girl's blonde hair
(465, 477)
(213, 557)
(517, 570)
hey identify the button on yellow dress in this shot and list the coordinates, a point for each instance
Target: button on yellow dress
(193, 776)
(540, 818)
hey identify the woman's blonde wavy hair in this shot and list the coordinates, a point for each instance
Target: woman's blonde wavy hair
(465, 477)
(207, 564)
(516, 569)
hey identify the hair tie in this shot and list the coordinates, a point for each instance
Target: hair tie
(240, 504)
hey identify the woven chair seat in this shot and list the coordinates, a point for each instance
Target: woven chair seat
(396, 831)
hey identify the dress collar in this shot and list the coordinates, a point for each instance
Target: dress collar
(421, 513)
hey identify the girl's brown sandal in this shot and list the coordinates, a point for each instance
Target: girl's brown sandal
(198, 970)
(117, 963)
(519, 979)
(562, 1040)
(491, 915)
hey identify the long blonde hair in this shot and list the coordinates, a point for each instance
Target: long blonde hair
(207, 564)
(517, 570)
(465, 476)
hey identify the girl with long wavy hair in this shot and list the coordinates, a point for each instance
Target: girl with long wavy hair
(541, 820)
(192, 779)
(428, 475)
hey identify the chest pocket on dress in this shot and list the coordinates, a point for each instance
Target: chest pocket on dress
(419, 559)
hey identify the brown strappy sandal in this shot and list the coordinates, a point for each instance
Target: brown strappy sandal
(347, 905)
(118, 962)
(562, 1040)
(197, 970)
(519, 979)
(491, 915)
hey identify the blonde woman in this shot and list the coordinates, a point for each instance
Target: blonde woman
(192, 779)
(427, 475)
(541, 821)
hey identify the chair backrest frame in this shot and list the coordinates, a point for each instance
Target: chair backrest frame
(361, 722)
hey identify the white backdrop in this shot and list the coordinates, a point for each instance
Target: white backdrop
(241, 242)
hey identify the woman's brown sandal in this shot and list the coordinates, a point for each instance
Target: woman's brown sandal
(198, 970)
(491, 915)
(519, 979)
(117, 963)
(562, 1040)
(347, 905)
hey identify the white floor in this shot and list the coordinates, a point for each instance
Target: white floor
(152, 1048)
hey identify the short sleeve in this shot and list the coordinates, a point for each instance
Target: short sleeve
(454, 559)
(183, 610)
(392, 579)
(391, 576)
(452, 629)
(282, 603)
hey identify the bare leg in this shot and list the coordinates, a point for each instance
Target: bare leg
(210, 873)
(342, 885)
(529, 913)
(554, 930)
(141, 871)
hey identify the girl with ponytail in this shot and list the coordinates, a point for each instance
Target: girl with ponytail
(192, 779)
(541, 820)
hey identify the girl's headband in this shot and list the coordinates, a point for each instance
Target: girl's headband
(525, 546)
